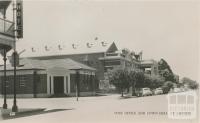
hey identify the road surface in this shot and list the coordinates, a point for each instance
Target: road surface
(99, 109)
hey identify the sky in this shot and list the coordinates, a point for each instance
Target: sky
(160, 29)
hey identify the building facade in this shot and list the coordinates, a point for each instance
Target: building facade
(105, 60)
(43, 81)
(149, 67)
(7, 40)
(46, 78)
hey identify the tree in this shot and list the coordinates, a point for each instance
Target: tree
(123, 79)
(191, 83)
(120, 79)
(153, 81)
(139, 78)
(136, 77)
(167, 86)
(165, 71)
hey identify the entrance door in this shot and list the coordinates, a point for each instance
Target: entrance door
(58, 85)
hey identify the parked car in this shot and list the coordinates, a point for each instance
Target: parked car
(158, 91)
(182, 89)
(143, 92)
(176, 90)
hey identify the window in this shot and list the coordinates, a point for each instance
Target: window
(7, 83)
(111, 54)
(91, 63)
(22, 81)
(110, 63)
(106, 69)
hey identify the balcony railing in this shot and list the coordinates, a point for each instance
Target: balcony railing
(111, 54)
(6, 27)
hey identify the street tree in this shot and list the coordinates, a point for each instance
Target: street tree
(139, 78)
(153, 81)
(120, 79)
(167, 86)
(191, 83)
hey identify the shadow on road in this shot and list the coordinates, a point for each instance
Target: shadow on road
(126, 97)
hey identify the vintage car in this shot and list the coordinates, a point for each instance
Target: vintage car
(158, 91)
(143, 92)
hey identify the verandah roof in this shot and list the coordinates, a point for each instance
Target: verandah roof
(47, 64)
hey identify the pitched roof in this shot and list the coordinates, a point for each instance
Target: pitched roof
(66, 63)
(67, 49)
(47, 64)
(4, 4)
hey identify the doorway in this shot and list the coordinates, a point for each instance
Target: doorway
(58, 85)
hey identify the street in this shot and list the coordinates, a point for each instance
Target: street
(99, 109)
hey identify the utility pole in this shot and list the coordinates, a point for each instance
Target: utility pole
(4, 59)
(77, 84)
(14, 107)
(4, 84)
(18, 33)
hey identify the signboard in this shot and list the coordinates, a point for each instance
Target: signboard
(16, 58)
(19, 18)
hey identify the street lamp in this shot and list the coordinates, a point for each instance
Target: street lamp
(4, 83)
(14, 107)
(77, 84)
(77, 81)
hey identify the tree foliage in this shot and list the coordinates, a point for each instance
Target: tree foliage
(120, 79)
(191, 83)
(153, 81)
(139, 78)
(124, 79)
(162, 65)
(167, 86)
(165, 71)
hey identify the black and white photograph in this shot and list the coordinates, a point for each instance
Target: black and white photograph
(99, 61)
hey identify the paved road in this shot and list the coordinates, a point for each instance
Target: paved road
(97, 109)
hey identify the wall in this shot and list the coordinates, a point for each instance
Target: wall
(41, 83)
(86, 83)
(26, 84)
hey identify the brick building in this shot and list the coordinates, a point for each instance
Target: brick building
(45, 78)
(96, 60)
(99, 55)
(102, 56)
(149, 67)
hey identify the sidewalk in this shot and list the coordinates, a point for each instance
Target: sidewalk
(8, 114)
